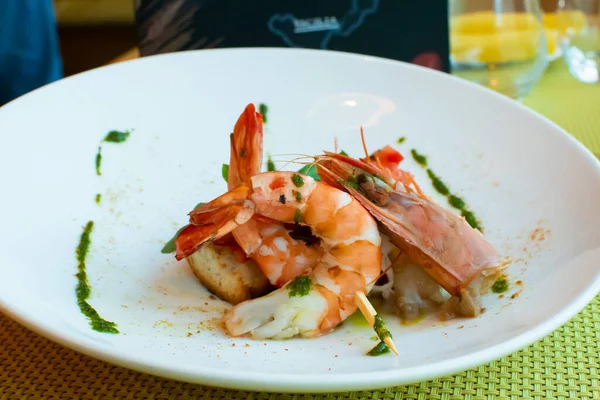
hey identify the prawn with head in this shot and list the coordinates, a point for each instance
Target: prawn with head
(454, 254)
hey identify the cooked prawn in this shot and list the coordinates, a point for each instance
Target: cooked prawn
(279, 256)
(314, 303)
(442, 242)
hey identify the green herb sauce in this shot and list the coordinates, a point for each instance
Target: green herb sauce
(270, 165)
(298, 196)
(456, 202)
(380, 349)
(83, 289)
(297, 216)
(401, 140)
(438, 184)
(297, 180)
(419, 158)
(225, 172)
(169, 247)
(501, 285)
(263, 109)
(116, 136)
(98, 161)
(310, 170)
(98, 198)
(300, 286)
(471, 219)
(380, 328)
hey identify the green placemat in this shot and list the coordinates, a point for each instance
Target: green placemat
(563, 365)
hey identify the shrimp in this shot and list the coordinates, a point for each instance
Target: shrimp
(316, 302)
(455, 255)
(279, 256)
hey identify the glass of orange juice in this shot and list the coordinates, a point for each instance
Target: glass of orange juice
(500, 44)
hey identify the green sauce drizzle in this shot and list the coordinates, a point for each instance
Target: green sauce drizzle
(401, 140)
(116, 136)
(98, 161)
(270, 165)
(380, 349)
(380, 328)
(263, 109)
(298, 196)
(297, 216)
(225, 172)
(83, 289)
(501, 285)
(419, 158)
(98, 198)
(297, 180)
(300, 286)
(438, 184)
(444, 190)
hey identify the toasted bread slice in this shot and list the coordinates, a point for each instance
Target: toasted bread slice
(229, 279)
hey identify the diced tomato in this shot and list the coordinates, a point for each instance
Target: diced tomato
(388, 157)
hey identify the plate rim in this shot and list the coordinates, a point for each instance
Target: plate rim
(315, 383)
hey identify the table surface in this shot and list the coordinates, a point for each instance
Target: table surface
(564, 364)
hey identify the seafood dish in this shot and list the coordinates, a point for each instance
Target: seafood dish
(290, 250)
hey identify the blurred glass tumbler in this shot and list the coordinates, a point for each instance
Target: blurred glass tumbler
(500, 44)
(580, 37)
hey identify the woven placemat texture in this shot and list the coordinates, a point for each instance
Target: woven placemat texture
(565, 364)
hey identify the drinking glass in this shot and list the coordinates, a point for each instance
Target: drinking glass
(579, 23)
(500, 44)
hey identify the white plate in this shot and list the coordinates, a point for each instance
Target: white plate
(517, 171)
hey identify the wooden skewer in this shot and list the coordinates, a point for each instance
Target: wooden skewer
(369, 312)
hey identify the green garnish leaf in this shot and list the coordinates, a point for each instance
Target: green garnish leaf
(310, 170)
(352, 182)
(297, 180)
(262, 109)
(300, 286)
(270, 165)
(419, 158)
(116, 136)
(380, 349)
(501, 285)
(342, 152)
(225, 172)
(169, 247)
(401, 140)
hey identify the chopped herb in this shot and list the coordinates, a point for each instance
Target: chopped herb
(401, 140)
(298, 196)
(262, 109)
(456, 202)
(438, 184)
(380, 349)
(270, 165)
(352, 182)
(380, 328)
(282, 199)
(342, 152)
(297, 216)
(297, 180)
(225, 172)
(169, 247)
(501, 285)
(98, 198)
(471, 219)
(419, 158)
(300, 286)
(310, 170)
(243, 153)
(83, 289)
(98, 161)
(116, 136)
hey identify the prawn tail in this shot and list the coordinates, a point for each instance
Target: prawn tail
(214, 220)
(246, 145)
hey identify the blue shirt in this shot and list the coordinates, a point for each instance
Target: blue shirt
(29, 51)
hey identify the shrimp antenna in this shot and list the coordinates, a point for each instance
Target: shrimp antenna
(335, 144)
(362, 137)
